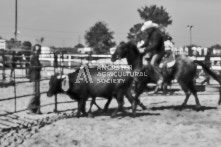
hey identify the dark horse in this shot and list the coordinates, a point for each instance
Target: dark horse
(184, 71)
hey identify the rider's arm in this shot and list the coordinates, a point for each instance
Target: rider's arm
(146, 43)
(156, 38)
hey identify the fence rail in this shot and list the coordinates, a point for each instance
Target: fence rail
(62, 64)
(64, 61)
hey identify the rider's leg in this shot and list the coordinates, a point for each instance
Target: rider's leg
(155, 63)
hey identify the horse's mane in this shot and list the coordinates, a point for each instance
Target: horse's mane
(131, 46)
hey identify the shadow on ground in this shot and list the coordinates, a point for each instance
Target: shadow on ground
(180, 108)
(126, 113)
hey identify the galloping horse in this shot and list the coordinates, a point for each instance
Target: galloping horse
(184, 71)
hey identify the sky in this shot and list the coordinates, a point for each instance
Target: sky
(63, 23)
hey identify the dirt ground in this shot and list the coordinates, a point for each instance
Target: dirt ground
(163, 124)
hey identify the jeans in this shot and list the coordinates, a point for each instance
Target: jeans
(34, 103)
(155, 61)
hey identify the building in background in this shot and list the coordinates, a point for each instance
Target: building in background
(45, 51)
(12, 43)
(85, 50)
(2, 44)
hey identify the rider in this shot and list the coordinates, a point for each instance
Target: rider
(154, 43)
(168, 44)
(169, 50)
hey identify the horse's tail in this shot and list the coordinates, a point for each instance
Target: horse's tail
(208, 71)
(211, 73)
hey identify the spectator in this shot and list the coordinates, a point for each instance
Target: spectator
(35, 76)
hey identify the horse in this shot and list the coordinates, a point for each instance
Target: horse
(184, 71)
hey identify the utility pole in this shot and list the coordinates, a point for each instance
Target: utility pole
(190, 29)
(79, 39)
(16, 19)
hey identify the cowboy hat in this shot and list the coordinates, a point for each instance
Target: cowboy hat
(148, 24)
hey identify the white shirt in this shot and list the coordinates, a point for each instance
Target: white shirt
(168, 45)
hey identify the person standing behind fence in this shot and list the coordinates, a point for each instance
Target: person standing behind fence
(55, 62)
(35, 76)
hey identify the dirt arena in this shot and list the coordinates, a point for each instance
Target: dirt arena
(163, 124)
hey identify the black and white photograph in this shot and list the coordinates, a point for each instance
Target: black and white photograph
(118, 73)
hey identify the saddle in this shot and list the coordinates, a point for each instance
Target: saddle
(168, 61)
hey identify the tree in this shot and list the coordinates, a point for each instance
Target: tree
(216, 46)
(99, 37)
(26, 45)
(156, 14)
(79, 45)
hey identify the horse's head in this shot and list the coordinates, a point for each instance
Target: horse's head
(120, 52)
(126, 50)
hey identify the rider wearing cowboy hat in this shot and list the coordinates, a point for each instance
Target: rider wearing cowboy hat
(154, 43)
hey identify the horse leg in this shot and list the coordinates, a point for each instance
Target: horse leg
(186, 91)
(94, 102)
(164, 88)
(139, 91)
(192, 88)
(107, 104)
(120, 103)
(83, 108)
(12, 72)
(81, 105)
(219, 96)
(79, 109)
(131, 98)
(91, 104)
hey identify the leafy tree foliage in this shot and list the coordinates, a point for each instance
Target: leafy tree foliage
(79, 45)
(64, 50)
(216, 46)
(26, 45)
(156, 14)
(99, 37)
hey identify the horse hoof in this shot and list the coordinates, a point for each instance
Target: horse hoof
(105, 110)
(113, 116)
(198, 107)
(77, 115)
(90, 115)
(183, 105)
(144, 108)
(134, 114)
